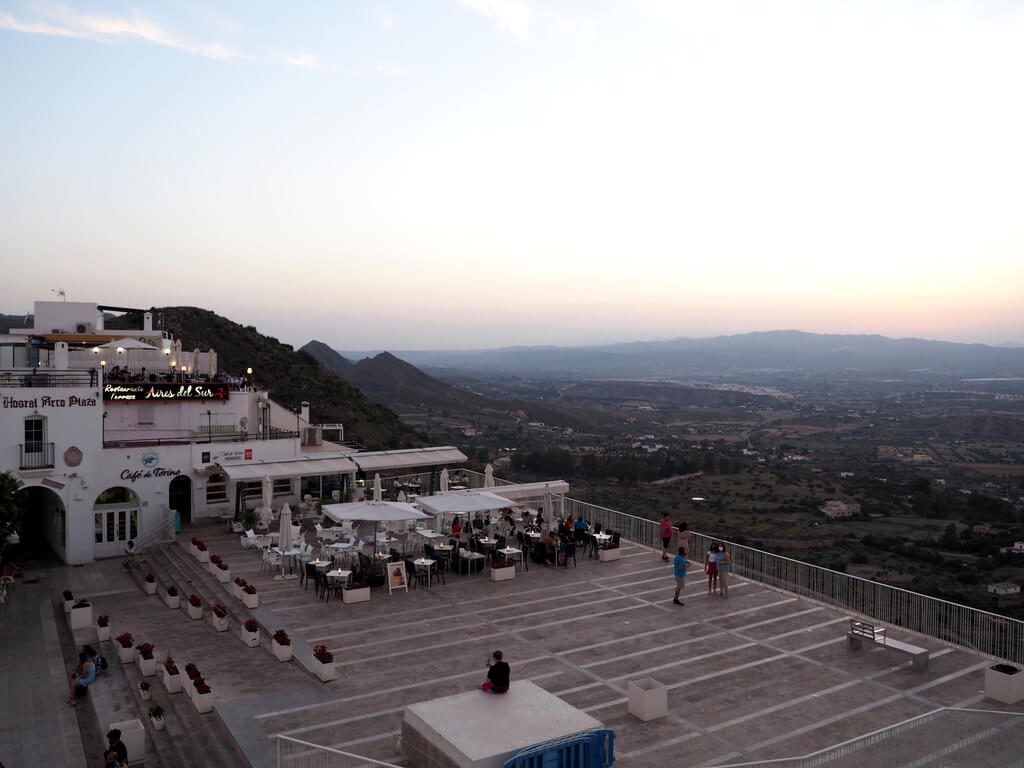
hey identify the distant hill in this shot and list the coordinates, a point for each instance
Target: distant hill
(793, 351)
(290, 376)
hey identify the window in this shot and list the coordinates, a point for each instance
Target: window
(216, 488)
(283, 487)
(35, 433)
(254, 488)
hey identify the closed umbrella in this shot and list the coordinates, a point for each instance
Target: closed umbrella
(401, 496)
(268, 492)
(378, 492)
(444, 480)
(549, 519)
(284, 541)
(489, 476)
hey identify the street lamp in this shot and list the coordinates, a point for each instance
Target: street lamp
(248, 374)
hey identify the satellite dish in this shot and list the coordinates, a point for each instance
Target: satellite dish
(243, 422)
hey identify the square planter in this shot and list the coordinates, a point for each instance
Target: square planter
(503, 574)
(133, 736)
(173, 601)
(236, 591)
(648, 699)
(360, 595)
(325, 672)
(67, 605)
(250, 601)
(222, 576)
(282, 652)
(147, 667)
(195, 612)
(203, 555)
(126, 655)
(607, 555)
(203, 702)
(150, 587)
(219, 623)
(192, 550)
(102, 633)
(171, 682)
(80, 618)
(250, 639)
(1005, 683)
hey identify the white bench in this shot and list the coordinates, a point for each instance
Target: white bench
(862, 630)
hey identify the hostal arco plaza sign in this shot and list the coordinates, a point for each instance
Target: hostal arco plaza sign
(163, 392)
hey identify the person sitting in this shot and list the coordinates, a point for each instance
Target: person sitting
(497, 674)
(82, 678)
(129, 560)
(97, 658)
(567, 524)
(478, 523)
(115, 745)
(456, 527)
(581, 525)
(549, 547)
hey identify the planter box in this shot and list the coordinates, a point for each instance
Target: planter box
(282, 652)
(80, 618)
(150, 587)
(1005, 683)
(607, 555)
(102, 633)
(171, 682)
(360, 595)
(236, 591)
(223, 576)
(195, 612)
(157, 722)
(648, 699)
(126, 655)
(133, 736)
(203, 555)
(325, 672)
(192, 550)
(250, 639)
(220, 624)
(67, 605)
(147, 667)
(146, 694)
(503, 574)
(250, 601)
(173, 601)
(203, 702)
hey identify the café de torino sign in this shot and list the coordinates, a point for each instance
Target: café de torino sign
(164, 392)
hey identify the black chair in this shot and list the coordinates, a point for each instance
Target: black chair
(309, 572)
(524, 544)
(615, 539)
(569, 553)
(415, 575)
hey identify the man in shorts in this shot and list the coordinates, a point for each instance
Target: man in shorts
(679, 569)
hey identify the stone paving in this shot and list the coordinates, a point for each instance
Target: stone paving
(762, 675)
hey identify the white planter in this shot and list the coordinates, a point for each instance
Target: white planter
(203, 555)
(150, 587)
(249, 639)
(203, 702)
(1003, 686)
(648, 699)
(192, 549)
(158, 723)
(133, 736)
(282, 652)
(126, 655)
(250, 601)
(67, 605)
(223, 576)
(172, 682)
(325, 672)
(80, 618)
(102, 633)
(173, 601)
(236, 591)
(607, 555)
(219, 623)
(195, 612)
(503, 574)
(147, 667)
(359, 595)
(146, 693)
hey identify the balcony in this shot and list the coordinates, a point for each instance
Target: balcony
(46, 378)
(35, 456)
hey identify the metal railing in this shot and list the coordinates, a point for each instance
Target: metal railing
(162, 533)
(35, 456)
(46, 378)
(182, 437)
(303, 754)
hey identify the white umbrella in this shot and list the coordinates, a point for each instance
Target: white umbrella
(488, 476)
(127, 344)
(284, 541)
(268, 492)
(377, 490)
(462, 503)
(401, 496)
(549, 518)
(374, 511)
(444, 480)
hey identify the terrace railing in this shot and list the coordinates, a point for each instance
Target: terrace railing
(48, 378)
(295, 753)
(35, 456)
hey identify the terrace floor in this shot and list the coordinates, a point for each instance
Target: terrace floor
(762, 675)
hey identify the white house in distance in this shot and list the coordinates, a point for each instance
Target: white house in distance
(105, 456)
(1004, 588)
(838, 509)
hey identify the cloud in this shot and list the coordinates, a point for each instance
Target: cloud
(512, 16)
(384, 18)
(104, 29)
(307, 60)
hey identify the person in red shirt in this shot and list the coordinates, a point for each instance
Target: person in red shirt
(666, 536)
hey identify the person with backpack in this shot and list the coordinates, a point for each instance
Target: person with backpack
(99, 660)
(81, 679)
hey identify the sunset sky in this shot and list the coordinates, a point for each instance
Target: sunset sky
(469, 173)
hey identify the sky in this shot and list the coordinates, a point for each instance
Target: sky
(445, 174)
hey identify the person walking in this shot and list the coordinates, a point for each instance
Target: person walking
(683, 539)
(711, 568)
(115, 745)
(666, 536)
(724, 567)
(679, 571)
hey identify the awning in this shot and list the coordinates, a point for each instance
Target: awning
(374, 511)
(376, 461)
(531, 490)
(256, 470)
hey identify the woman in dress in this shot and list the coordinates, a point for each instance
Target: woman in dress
(711, 568)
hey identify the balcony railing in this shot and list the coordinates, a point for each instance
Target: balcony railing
(47, 378)
(36, 456)
(187, 437)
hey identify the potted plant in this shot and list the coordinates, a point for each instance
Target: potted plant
(323, 663)
(249, 596)
(222, 572)
(80, 615)
(236, 587)
(147, 664)
(357, 593)
(202, 553)
(171, 676)
(281, 645)
(503, 570)
(69, 599)
(150, 584)
(144, 690)
(202, 699)
(156, 717)
(195, 607)
(192, 671)
(126, 647)
(172, 598)
(611, 552)
(103, 628)
(250, 633)
(193, 546)
(220, 618)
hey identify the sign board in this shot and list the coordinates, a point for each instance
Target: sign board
(155, 392)
(396, 577)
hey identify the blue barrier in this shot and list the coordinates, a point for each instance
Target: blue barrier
(587, 749)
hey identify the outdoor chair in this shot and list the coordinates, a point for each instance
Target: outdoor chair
(616, 537)
(416, 576)
(310, 571)
(569, 553)
(524, 544)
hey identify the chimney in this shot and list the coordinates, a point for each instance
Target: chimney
(147, 321)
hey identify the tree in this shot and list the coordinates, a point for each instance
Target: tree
(10, 507)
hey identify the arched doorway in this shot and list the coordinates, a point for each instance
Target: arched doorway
(116, 521)
(44, 527)
(179, 497)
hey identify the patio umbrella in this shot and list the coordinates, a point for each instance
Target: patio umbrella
(376, 512)
(488, 476)
(268, 492)
(401, 496)
(377, 490)
(444, 480)
(550, 518)
(284, 541)
(127, 345)
(463, 503)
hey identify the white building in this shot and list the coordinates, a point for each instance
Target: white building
(104, 461)
(838, 509)
(1004, 588)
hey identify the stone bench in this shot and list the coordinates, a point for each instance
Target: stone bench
(862, 630)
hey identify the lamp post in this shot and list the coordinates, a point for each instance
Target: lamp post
(248, 374)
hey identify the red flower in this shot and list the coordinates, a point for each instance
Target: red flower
(220, 610)
(126, 640)
(249, 589)
(201, 547)
(215, 559)
(146, 650)
(240, 581)
(68, 595)
(170, 666)
(252, 625)
(321, 654)
(281, 638)
(195, 601)
(172, 591)
(102, 621)
(150, 578)
(224, 566)
(204, 688)
(196, 541)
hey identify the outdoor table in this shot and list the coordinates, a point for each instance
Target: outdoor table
(533, 535)
(339, 575)
(602, 539)
(456, 487)
(321, 565)
(288, 554)
(510, 551)
(429, 534)
(423, 562)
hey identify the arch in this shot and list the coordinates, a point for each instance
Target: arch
(115, 520)
(179, 498)
(44, 529)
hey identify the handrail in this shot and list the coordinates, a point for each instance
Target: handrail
(320, 755)
(162, 534)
